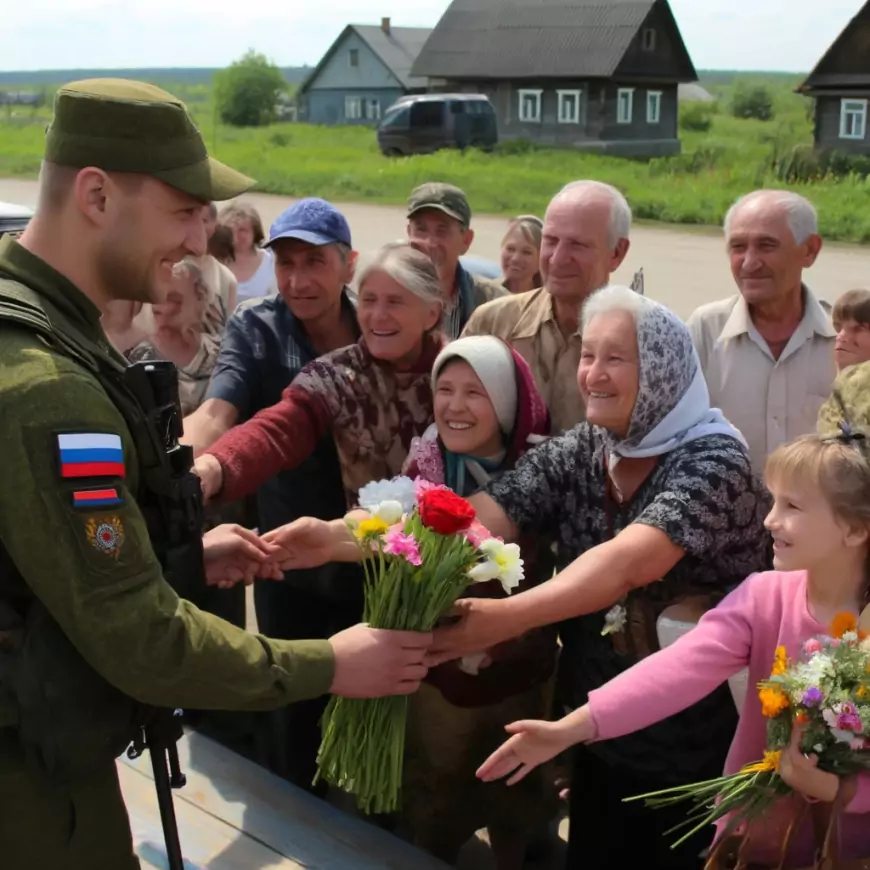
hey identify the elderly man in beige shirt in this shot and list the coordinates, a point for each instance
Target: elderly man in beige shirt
(585, 239)
(768, 352)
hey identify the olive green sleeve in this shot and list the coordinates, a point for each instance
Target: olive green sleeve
(853, 387)
(95, 570)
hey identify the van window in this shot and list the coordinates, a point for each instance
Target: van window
(399, 118)
(427, 114)
(457, 107)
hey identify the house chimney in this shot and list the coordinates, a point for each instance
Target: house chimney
(385, 25)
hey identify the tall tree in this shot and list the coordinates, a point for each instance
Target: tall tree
(247, 91)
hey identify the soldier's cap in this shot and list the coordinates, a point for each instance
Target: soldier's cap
(311, 220)
(442, 197)
(120, 125)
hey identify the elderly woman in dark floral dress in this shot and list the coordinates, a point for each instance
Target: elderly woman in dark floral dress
(652, 501)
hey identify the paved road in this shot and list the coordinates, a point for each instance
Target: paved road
(683, 268)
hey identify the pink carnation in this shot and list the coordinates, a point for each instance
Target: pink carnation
(476, 534)
(421, 485)
(812, 646)
(404, 546)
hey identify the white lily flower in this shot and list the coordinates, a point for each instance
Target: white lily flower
(503, 563)
(614, 620)
(390, 512)
(399, 489)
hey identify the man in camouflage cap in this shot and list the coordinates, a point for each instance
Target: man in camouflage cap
(439, 223)
(121, 192)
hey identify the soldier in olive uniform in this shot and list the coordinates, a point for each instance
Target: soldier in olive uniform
(121, 192)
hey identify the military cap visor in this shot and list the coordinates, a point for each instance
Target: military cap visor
(125, 126)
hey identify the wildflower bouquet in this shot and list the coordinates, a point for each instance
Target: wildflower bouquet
(827, 693)
(424, 546)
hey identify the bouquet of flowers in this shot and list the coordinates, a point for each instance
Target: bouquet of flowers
(827, 693)
(424, 546)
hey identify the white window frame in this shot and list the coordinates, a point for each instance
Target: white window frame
(535, 117)
(625, 117)
(564, 100)
(653, 101)
(856, 109)
(648, 39)
(373, 109)
(352, 108)
(351, 54)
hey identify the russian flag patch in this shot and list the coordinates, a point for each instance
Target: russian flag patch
(90, 454)
(96, 498)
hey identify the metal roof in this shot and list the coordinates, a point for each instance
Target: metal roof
(503, 39)
(398, 49)
(844, 64)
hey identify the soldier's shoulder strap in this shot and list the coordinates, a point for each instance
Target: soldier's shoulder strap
(22, 305)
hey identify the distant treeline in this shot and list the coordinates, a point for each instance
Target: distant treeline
(181, 75)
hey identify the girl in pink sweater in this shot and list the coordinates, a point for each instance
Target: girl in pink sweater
(820, 523)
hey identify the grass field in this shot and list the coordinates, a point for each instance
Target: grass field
(343, 164)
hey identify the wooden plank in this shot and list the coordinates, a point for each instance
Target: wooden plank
(233, 814)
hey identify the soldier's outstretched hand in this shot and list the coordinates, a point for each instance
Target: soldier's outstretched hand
(234, 554)
(373, 662)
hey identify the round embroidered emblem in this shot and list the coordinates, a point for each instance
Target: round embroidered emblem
(106, 534)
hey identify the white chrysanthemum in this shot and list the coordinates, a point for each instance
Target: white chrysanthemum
(614, 620)
(399, 489)
(471, 664)
(502, 563)
(390, 512)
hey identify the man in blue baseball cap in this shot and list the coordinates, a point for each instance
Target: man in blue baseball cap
(266, 343)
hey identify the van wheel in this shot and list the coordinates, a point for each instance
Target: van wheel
(393, 152)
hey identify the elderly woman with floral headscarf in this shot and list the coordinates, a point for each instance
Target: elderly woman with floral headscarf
(652, 500)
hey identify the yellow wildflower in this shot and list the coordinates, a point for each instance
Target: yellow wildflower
(780, 662)
(370, 528)
(773, 701)
(770, 762)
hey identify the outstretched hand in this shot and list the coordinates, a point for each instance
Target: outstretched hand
(534, 742)
(482, 624)
(234, 554)
(309, 543)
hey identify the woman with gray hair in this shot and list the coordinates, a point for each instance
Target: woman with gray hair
(374, 396)
(651, 501)
(175, 331)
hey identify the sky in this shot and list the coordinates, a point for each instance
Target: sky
(787, 35)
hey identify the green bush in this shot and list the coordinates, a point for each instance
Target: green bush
(752, 101)
(247, 91)
(805, 164)
(697, 117)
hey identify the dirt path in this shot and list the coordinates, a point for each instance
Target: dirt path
(683, 268)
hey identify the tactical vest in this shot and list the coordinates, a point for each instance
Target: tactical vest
(70, 720)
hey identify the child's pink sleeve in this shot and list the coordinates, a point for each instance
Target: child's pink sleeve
(682, 674)
(860, 803)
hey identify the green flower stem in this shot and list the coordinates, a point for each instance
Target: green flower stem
(363, 740)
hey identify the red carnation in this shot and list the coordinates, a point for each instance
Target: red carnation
(445, 512)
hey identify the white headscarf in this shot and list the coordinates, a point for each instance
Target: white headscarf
(673, 404)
